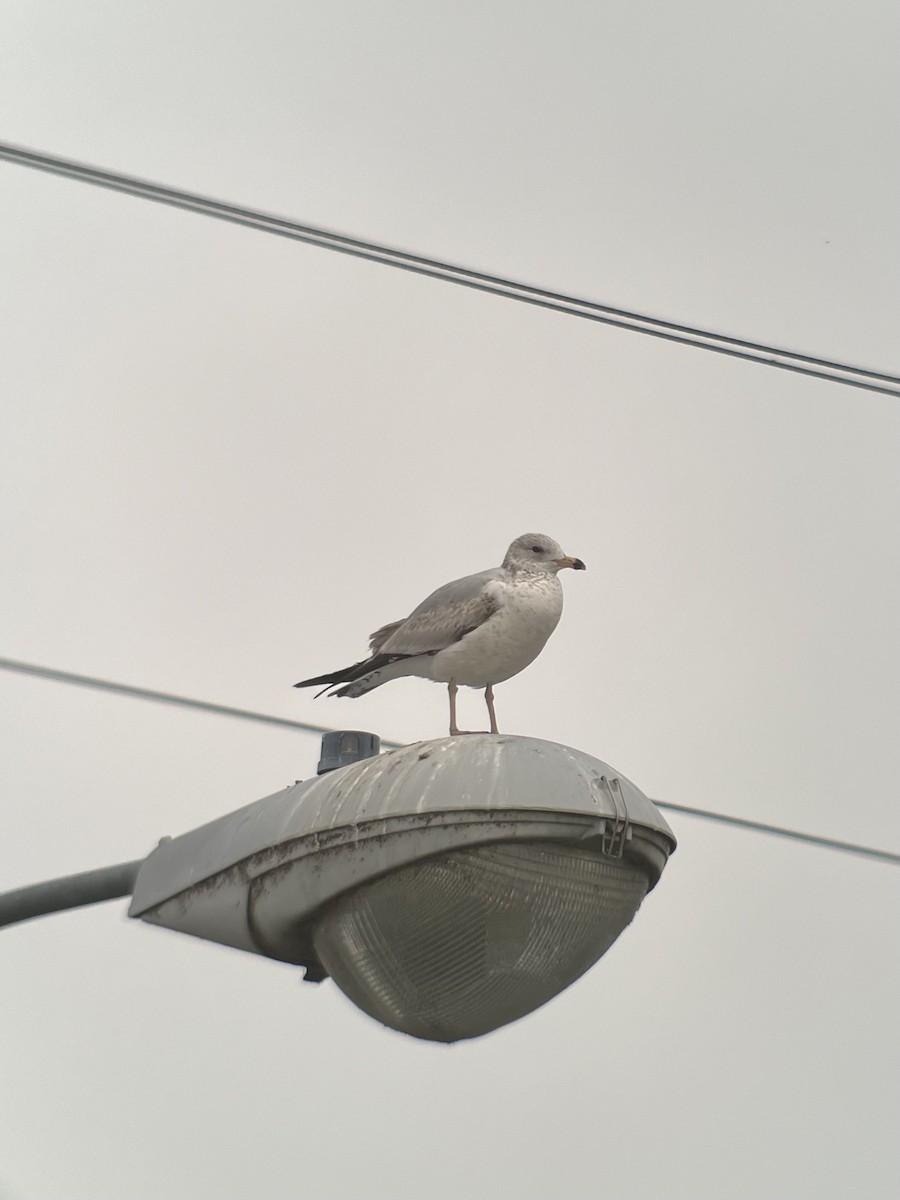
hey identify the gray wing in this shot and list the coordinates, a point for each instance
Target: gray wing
(442, 619)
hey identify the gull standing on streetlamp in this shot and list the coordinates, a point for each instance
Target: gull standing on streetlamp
(474, 632)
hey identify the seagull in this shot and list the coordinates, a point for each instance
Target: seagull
(474, 632)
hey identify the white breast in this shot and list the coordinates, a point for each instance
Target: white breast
(530, 608)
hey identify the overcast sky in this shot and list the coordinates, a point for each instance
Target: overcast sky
(226, 458)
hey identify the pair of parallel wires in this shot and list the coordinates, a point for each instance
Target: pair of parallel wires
(497, 285)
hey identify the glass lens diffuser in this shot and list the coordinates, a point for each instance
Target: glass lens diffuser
(454, 946)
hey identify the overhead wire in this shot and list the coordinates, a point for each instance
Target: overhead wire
(141, 693)
(671, 331)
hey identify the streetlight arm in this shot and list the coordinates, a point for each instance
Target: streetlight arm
(73, 891)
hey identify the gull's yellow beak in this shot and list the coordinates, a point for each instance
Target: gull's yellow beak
(575, 563)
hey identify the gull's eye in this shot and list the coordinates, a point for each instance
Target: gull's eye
(537, 550)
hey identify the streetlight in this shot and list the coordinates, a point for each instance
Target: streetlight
(448, 887)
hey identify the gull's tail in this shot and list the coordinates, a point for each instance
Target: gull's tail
(363, 676)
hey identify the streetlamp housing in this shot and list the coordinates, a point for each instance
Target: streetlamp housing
(448, 887)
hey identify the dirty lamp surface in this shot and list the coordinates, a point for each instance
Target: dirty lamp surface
(456, 945)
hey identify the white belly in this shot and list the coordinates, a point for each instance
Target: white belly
(509, 640)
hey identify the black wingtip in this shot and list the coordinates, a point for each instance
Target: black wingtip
(328, 680)
(314, 683)
(349, 674)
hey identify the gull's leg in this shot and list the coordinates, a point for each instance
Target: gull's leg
(452, 689)
(489, 701)
(455, 731)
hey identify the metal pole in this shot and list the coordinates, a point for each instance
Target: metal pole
(73, 891)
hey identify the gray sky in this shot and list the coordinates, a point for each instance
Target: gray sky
(226, 458)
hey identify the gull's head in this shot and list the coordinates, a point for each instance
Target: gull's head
(537, 552)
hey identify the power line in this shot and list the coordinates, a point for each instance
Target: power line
(812, 839)
(139, 693)
(243, 714)
(688, 335)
